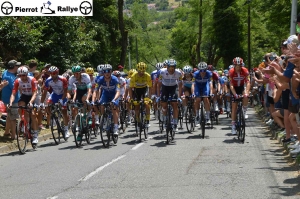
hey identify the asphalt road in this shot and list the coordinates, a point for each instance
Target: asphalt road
(218, 166)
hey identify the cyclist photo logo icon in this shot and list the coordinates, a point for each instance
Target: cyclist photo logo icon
(6, 8)
(45, 8)
(85, 8)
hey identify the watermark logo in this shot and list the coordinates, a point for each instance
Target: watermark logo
(48, 8)
(45, 9)
(6, 8)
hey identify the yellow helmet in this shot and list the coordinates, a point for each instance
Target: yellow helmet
(90, 71)
(131, 72)
(141, 67)
(220, 72)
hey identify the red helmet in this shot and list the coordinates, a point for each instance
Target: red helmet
(237, 61)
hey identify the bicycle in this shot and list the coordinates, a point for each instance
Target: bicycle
(81, 126)
(140, 125)
(190, 119)
(169, 130)
(107, 126)
(180, 115)
(123, 115)
(24, 130)
(57, 121)
(240, 119)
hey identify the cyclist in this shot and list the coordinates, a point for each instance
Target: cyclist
(139, 84)
(110, 92)
(127, 95)
(216, 86)
(239, 79)
(90, 72)
(59, 86)
(154, 79)
(169, 78)
(202, 87)
(187, 86)
(28, 90)
(122, 83)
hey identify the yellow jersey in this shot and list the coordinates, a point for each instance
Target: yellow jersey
(137, 81)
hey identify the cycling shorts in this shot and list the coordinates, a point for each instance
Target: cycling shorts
(167, 91)
(54, 98)
(25, 98)
(202, 90)
(108, 97)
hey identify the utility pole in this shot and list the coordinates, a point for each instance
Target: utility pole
(293, 17)
(249, 36)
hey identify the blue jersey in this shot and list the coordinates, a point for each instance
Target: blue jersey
(108, 88)
(154, 75)
(199, 81)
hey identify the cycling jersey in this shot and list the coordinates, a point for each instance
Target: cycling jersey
(108, 88)
(26, 88)
(215, 76)
(154, 76)
(83, 85)
(93, 83)
(170, 80)
(187, 82)
(57, 86)
(238, 79)
(202, 87)
(138, 81)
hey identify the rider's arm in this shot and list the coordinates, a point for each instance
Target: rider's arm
(33, 97)
(232, 89)
(193, 89)
(180, 89)
(12, 98)
(14, 91)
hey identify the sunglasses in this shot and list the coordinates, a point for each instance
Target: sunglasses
(202, 71)
(106, 71)
(22, 75)
(77, 73)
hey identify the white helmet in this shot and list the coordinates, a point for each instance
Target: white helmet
(22, 70)
(202, 66)
(187, 69)
(99, 68)
(107, 67)
(53, 69)
(159, 66)
(225, 79)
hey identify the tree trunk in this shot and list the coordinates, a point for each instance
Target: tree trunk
(124, 34)
(199, 34)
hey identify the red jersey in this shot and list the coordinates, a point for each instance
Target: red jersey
(27, 88)
(238, 79)
(215, 76)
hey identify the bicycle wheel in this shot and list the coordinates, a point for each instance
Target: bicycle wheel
(189, 119)
(104, 131)
(114, 137)
(76, 130)
(22, 137)
(169, 127)
(217, 118)
(180, 116)
(87, 133)
(202, 121)
(55, 129)
(141, 121)
(242, 129)
(160, 121)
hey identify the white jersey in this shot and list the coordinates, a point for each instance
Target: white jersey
(170, 80)
(83, 85)
(122, 83)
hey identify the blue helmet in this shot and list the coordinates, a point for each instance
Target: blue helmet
(172, 62)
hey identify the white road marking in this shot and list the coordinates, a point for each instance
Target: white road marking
(54, 197)
(101, 168)
(137, 146)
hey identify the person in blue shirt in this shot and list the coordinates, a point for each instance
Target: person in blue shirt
(12, 114)
(202, 87)
(32, 68)
(110, 92)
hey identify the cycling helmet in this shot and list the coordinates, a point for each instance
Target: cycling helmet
(187, 69)
(141, 67)
(22, 70)
(76, 69)
(159, 66)
(117, 73)
(202, 66)
(210, 67)
(225, 71)
(99, 68)
(53, 69)
(172, 62)
(220, 72)
(131, 72)
(107, 67)
(230, 67)
(90, 71)
(96, 74)
(225, 79)
(166, 63)
(237, 61)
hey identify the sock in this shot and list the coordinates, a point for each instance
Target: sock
(148, 117)
(207, 114)
(175, 121)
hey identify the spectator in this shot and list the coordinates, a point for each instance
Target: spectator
(120, 67)
(10, 75)
(32, 67)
